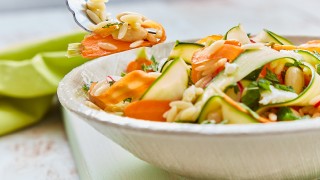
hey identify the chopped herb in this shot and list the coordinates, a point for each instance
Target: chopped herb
(152, 67)
(86, 87)
(111, 82)
(123, 74)
(271, 77)
(112, 24)
(264, 84)
(252, 96)
(128, 100)
(253, 75)
(295, 63)
(249, 35)
(318, 68)
(284, 87)
(286, 114)
(208, 122)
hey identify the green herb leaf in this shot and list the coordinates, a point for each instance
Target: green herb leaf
(123, 74)
(253, 75)
(86, 87)
(271, 77)
(284, 87)
(295, 63)
(285, 114)
(208, 122)
(252, 96)
(264, 84)
(152, 67)
(128, 100)
(112, 24)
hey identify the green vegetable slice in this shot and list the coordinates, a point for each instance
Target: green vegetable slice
(309, 57)
(171, 84)
(230, 114)
(237, 33)
(267, 36)
(304, 98)
(184, 50)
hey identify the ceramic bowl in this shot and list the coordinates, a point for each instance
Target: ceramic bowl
(286, 150)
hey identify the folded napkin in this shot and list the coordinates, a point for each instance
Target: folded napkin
(30, 74)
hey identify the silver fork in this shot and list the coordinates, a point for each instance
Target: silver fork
(78, 10)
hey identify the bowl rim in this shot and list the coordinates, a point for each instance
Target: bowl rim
(143, 126)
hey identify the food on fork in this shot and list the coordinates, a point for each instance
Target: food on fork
(128, 31)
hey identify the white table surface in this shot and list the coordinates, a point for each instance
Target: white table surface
(42, 151)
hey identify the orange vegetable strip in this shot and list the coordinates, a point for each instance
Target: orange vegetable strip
(133, 85)
(152, 110)
(210, 38)
(141, 60)
(137, 64)
(228, 51)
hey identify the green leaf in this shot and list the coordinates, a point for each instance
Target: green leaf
(208, 122)
(252, 96)
(295, 63)
(284, 87)
(264, 84)
(123, 74)
(253, 75)
(271, 77)
(285, 114)
(86, 87)
(128, 100)
(153, 66)
(112, 24)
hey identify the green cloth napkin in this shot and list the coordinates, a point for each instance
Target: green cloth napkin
(29, 78)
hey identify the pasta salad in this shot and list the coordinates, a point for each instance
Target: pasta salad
(235, 78)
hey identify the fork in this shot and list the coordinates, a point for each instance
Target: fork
(78, 10)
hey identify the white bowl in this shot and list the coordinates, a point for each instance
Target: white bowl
(286, 150)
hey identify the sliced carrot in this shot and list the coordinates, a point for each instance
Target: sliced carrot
(91, 48)
(210, 39)
(138, 64)
(152, 110)
(202, 57)
(141, 60)
(133, 85)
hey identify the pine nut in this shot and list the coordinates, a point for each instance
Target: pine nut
(95, 18)
(107, 46)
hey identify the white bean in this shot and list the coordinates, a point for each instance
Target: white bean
(294, 77)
